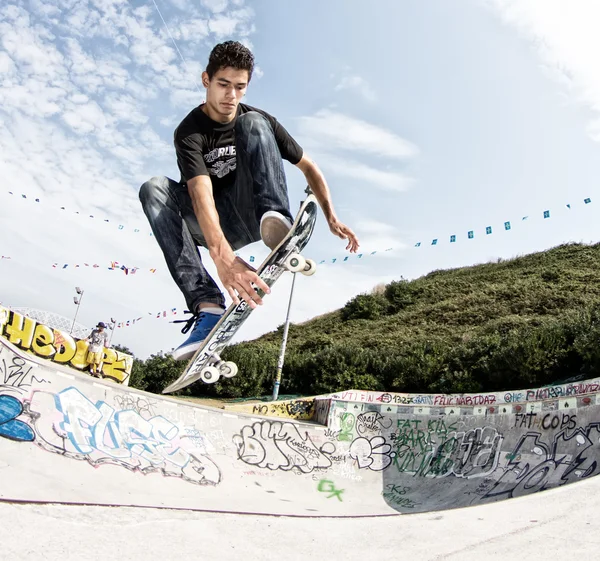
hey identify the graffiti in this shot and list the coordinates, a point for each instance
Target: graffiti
(345, 470)
(468, 400)
(16, 376)
(296, 409)
(404, 399)
(347, 421)
(470, 454)
(327, 486)
(547, 422)
(373, 454)
(11, 427)
(514, 397)
(322, 407)
(534, 461)
(562, 421)
(396, 494)
(372, 422)
(569, 390)
(140, 404)
(275, 445)
(100, 435)
(526, 420)
(369, 397)
(59, 346)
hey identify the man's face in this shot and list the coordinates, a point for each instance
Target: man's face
(224, 92)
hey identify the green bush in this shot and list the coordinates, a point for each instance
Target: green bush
(518, 323)
(364, 306)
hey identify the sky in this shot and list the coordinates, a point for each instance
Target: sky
(428, 118)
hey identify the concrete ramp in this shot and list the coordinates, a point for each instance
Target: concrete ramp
(67, 438)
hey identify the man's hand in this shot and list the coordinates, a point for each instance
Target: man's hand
(319, 187)
(237, 278)
(342, 231)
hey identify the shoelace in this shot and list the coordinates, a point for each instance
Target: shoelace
(189, 323)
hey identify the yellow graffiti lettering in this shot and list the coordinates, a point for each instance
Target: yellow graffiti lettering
(20, 330)
(3, 319)
(59, 346)
(43, 341)
(78, 361)
(116, 365)
(66, 348)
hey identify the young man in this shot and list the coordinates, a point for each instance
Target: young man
(232, 192)
(97, 339)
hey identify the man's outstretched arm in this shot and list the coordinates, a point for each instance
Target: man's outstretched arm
(234, 274)
(316, 181)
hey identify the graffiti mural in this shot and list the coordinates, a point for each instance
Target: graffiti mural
(58, 346)
(374, 454)
(327, 486)
(280, 446)
(16, 374)
(101, 434)
(11, 427)
(571, 455)
(292, 409)
(371, 458)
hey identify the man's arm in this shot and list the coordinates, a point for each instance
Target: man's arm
(234, 274)
(316, 181)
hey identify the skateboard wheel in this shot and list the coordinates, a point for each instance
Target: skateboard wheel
(209, 374)
(228, 369)
(310, 268)
(295, 263)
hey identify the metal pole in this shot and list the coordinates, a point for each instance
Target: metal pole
(113, 324)
(76, 312)
(283, 344)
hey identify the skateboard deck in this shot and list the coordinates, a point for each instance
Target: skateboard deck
(206, 364)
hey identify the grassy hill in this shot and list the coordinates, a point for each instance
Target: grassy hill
(517, 323)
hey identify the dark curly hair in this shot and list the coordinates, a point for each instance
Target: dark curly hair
(230, 54)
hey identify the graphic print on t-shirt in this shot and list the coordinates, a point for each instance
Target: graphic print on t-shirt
(219, 161)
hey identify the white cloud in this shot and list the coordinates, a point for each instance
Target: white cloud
(377, 235)
(216, 6)
(82, 86)
(258, 72)
(357, 84)
(351, 148)
(361, 172)
(341, 132)
(565, 36)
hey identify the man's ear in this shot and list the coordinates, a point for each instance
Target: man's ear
(205, 79)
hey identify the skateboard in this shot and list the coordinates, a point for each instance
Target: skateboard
(206, 364)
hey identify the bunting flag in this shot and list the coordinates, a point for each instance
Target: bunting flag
(135, 230)
(453, 238)
(113, 266)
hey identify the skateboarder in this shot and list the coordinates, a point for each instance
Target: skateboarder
(232, 192)
(97, 339)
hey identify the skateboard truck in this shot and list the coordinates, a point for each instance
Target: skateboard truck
(214, 368)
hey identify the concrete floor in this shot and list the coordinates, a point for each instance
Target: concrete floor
(556, 524)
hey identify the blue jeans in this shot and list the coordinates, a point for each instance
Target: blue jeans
(259, 186)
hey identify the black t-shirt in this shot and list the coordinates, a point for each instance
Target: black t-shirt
(205, 147)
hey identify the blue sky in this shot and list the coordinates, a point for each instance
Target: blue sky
(429, 118)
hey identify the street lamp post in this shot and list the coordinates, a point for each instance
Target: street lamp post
(77, 300)
(113, 322)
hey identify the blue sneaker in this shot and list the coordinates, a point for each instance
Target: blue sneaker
(203, 323)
